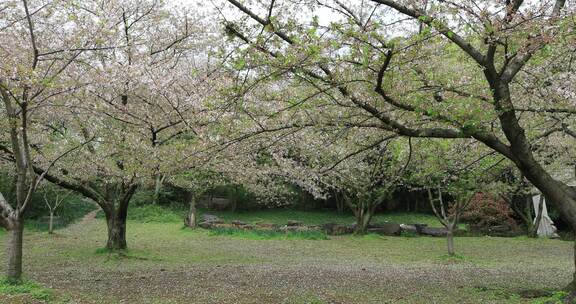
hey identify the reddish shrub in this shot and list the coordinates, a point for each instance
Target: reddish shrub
(486, 210)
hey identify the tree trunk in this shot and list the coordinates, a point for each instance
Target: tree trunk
(191, 217)
(116, 232)
(339, 203)
(234, 204)
(450, 240)
(157, 187)
(363, 217)
(533, 232)
(51, 222)
(116, 215)
(14, 251)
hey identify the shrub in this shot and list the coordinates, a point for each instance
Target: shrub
(486, 210)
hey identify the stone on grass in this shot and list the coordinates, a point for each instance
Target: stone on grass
(294, 223)
(209, 221)
(337, 229)
(239, 223)
(386, 229)
(431, 231)
(210, 218)
(266, 225)
(409, 228)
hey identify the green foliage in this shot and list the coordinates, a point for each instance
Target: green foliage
(268, 234)
(73, 209)
(26, 287)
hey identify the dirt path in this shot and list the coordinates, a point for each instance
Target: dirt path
(81, 225)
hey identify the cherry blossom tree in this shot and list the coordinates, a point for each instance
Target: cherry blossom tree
(495, 72)
(42, 43)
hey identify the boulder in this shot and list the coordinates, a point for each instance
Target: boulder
(337, 229)
(420, 227)
(386, 229)
(247, 226)
(266, 225)
(499, 229)
(210, 218)
(205, 225)
(209, 221)
(431, 231)
(294, 223)
(239, 223)
(409, 228)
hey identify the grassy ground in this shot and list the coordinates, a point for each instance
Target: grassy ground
(169, 264)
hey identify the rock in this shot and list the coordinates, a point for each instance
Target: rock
(248, 226)
(337, 229)
(434, 231)
(420, 227)
(293, 228)
(386, 229)
(294, 223)
(209, 221)
(210, 218)
(499, 229)
(266, 225)
(205, 225)
(239, 223)
(534, 293)
(315, 227)
(409, 228)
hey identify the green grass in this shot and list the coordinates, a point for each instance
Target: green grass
(556, 298)
(28, 288)
(268, 234)
(159, 214)
(238, 267)
(155, 214)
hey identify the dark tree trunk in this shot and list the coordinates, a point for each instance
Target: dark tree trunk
(191, 218)
(450, 241)
(51, 223)
(116, 216)
(116, 231)
(363, 213)
(340, 205)
(234, 204)
(14, 251)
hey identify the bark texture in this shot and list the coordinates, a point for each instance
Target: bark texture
(14, 251)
